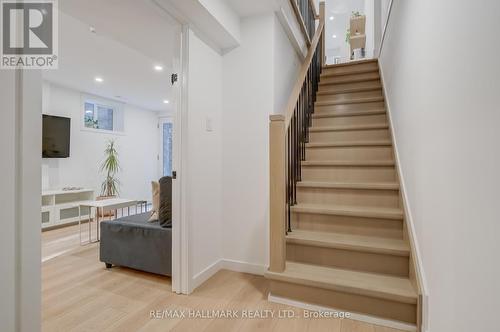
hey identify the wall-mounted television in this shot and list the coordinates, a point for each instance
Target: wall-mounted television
(55, 136)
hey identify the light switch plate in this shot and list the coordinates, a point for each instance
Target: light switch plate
(209, 124)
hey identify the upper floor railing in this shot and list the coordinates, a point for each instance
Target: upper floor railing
(305, 11)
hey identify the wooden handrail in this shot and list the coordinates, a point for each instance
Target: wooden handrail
(292, 101)
(313, 6)
(300, 19)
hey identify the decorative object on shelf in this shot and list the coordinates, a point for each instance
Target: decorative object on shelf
(356, 35)
(71, 188)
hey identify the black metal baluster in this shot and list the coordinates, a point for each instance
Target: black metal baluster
(297, 135)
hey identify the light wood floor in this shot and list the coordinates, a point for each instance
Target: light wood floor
(79, 294)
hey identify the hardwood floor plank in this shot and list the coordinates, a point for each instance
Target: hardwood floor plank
(80, 294)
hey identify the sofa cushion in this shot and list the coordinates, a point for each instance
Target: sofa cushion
(155, 190)
(165, 209)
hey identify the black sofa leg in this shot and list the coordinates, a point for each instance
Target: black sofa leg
(108, 266)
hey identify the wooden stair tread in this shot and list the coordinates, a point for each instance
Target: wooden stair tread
(350, 127)
(350, 211)
(346, 79)
(349, 185)
(396, 247)
(350, 101)
(350, 63)
(349, 90)
(361, 283)
(349, 144)
(351, 72)
(341, 114)
(358, 163)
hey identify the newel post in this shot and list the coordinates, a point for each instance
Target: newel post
(277, 187)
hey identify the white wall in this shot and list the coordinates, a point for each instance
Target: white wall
(204, 158)
(224, 15)
(257, 81)
(442, 79)
(247, 103)
(138, 147)
(370, 27)
(20, 131)
(286, 67)
(8, 197)
(228, 169)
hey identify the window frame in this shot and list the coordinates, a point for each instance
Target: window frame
(118, 115)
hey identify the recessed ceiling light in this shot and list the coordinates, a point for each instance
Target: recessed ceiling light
(92, 29)
(334, 36)
(99, 79)
(166, 101)
(158, 68)
(331, 18)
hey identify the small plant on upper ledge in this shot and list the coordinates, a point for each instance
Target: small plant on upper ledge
(91, 123)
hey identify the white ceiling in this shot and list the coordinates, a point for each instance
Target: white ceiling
(341, 11)
(245, 8)
(131, 37)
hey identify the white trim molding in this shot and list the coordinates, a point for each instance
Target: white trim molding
(407, 211)
(352, 315)
(226, 264)
(386, 23)
(180, 228)
(244, 267)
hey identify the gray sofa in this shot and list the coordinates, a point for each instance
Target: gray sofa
(134, 242)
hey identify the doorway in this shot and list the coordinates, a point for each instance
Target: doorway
(120, 94)
(165, 158)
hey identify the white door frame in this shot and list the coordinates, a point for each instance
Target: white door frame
(20, 239)
(180, 230)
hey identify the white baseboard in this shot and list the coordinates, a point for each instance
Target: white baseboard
(226, 264)
(407, 209)
(354, 316)
(204, 275)
(244, 267)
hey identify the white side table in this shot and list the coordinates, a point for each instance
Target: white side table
(105, 205)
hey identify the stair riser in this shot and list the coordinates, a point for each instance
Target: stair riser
(349, 78)
(350, 107)
(350, 153)
(388, 309)
(349, 120)
(349, 86)
(349, 197)
(348, 135)
(348, 174)
(385, 228)
(348, 259)
(348, 96)
(350, 69)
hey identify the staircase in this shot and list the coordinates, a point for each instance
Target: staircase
(348, 248)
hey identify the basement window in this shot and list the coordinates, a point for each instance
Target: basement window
(102, 117)
(98, 116)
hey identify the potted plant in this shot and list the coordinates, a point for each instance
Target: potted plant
(110, 167)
